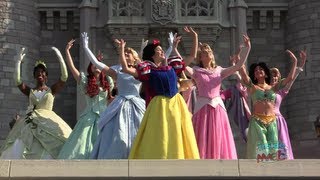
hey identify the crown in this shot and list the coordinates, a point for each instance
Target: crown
(40, 62)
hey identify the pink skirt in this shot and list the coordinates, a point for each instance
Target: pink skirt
(213, 133)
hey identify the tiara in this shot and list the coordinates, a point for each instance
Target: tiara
(40, 62)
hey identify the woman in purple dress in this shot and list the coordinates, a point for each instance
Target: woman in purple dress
(283, 134)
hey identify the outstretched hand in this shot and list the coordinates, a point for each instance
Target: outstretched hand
(70, 44)
(58, 53)
(85, 39)
(144, 43)
(190, 30)
(21, 54)
(176, 40)
(171, 38)
(246, 41)
(120, 43)
(303, 57)
(292, 56)
(100, 56)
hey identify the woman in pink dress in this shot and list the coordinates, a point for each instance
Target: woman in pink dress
(210, 119)
(283, 133)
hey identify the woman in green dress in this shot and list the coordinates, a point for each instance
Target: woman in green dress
(41, 133)
(95, 88)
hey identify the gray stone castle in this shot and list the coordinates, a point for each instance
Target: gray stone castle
(273, 26)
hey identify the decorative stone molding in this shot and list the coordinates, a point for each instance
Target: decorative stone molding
(163, 11)
(127, 7)
(258, 13)
(197, 8)
(58, 19)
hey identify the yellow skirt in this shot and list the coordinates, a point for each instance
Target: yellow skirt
(166, 131)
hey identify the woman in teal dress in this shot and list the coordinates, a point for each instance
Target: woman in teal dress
(95, 88)
(262, 136)
(41, 133)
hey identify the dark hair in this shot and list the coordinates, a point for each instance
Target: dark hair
(40, 66)
(265, 69)
(148, 51)
(92, 86)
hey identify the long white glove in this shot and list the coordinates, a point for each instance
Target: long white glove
(19, 60)
(91, 56)
(169, 50)
(144, 43)
(63, 67)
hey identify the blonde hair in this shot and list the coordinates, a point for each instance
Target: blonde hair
(134, 54)
(275, 71)
(205, 47)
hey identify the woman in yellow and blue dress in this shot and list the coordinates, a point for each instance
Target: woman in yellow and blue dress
(41, 133)
(166, 130)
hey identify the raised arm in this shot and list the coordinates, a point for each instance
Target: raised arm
(73, 69)
(234, 59)
(303, 58)
(93, 59)
(243, 71)
(17, 73)
(169, 50)
(144, 43)
(291, 75)
(56, 87)
(194, 49)
(244, 52)
(122, 58)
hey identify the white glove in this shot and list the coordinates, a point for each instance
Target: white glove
(91, 56)
(19, 60)
(169, 50)
(63, 67)
(144, 43)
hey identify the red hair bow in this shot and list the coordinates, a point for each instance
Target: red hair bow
(156, 42)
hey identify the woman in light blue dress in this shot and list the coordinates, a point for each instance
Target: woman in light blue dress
(119, 123)
(95, 88)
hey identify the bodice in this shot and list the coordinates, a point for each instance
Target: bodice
(164, 81)
(266, 95)
(46, 102)
(208, 82)
(96, 103)
(127, 84)
(279, 97)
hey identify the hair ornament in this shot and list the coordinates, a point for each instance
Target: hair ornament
(40, 62)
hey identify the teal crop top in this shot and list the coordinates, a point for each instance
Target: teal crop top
(266, 95)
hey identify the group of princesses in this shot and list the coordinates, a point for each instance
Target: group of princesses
(165, 124)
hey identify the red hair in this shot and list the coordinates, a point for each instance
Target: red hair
(92, 87)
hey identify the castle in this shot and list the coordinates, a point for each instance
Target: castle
(273, 26)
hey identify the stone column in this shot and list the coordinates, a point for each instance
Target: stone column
(303, 103)
(19, 27)
(87, 19)
(238, 21)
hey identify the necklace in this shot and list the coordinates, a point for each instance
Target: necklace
(41, 88)
(262, 85)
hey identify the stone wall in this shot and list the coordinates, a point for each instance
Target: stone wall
(19, 26)
(303, 103)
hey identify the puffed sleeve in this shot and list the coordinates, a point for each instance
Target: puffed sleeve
(143, 70)
(177, 64)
